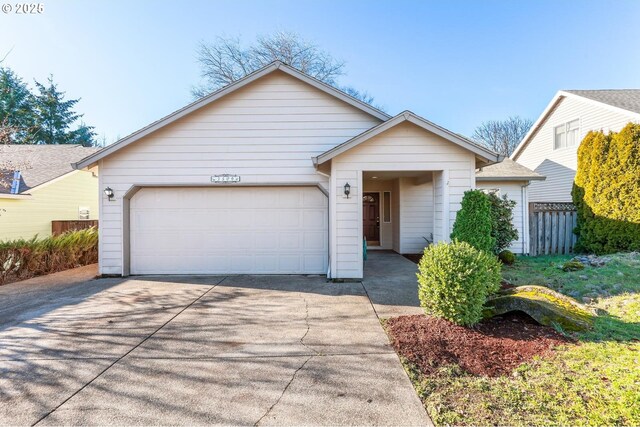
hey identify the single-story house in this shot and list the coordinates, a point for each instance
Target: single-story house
(551, 146)
(38, 184)
(279, 173)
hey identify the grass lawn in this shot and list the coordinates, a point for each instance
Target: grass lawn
(596, 382)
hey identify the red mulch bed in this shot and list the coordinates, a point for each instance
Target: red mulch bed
(492, 348)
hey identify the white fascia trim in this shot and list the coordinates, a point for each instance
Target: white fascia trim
(249, 78)
(15, 196)
(537, 125)
(513, 178)
(486, 154)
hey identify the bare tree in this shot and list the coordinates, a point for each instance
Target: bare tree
(226, 60)
(502, 136)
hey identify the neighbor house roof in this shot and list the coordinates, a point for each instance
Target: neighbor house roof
(407, 116)
(38, 164)
(274, 66)
(627, 99)
(622, 100)
(507, 170)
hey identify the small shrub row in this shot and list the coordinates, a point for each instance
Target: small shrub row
(21, 259)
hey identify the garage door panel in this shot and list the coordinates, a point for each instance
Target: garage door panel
(237, 230)
(289, 218)
(314, 240)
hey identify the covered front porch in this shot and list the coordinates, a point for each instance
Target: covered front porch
(399, 210)
(399, 185)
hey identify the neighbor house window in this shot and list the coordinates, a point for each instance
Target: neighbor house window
(566, 135)
(386, 206)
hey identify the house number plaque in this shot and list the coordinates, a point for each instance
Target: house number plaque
(225, 179)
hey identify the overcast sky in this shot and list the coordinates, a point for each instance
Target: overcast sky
(457, 63)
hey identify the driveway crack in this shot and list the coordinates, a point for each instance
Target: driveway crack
(306, 321)
(293, 377)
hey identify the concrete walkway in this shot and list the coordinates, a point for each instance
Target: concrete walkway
(391, 284)
(237, 350)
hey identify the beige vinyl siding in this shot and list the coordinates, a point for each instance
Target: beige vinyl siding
(416, 215)
(405, 147)
(513, 190)
(559, 166)
(57, 200)
(266, 132)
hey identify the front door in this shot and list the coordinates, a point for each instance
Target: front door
(371, 217)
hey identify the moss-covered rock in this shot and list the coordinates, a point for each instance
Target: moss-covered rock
(572, 266)
(546, 306)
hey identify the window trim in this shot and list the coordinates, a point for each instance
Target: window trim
(565, 132)
(386, 195)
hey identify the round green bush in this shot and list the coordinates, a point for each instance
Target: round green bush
(507, 257)
(454, 281)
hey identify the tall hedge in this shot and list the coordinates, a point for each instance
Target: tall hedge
(474, 222)
(606, 191)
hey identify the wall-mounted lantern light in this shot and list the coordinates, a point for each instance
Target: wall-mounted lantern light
(347, 190)
(109, 193)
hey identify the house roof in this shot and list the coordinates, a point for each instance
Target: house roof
(38, 164)
(622, 100)
(627, 99)
(507, 170)
(407, 116)
(277, 65)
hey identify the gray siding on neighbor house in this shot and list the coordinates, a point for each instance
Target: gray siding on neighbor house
(559, 166)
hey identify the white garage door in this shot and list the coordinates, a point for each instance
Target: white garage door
(253, 230)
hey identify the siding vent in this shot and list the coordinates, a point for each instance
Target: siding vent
(83, 212)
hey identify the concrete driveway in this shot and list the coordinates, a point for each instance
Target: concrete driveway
(240, 350)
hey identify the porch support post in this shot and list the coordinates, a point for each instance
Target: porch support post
(333, 227)
(446, 206)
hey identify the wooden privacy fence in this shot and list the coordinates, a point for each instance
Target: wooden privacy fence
(551, 227)
(62, 226)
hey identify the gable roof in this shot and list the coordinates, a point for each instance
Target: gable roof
(38, 164)
(507, 170)
(276, 65)
(407, 116)
(622, 100)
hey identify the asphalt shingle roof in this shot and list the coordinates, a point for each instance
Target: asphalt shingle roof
(505, 170)
(628, 99)
(38, 163)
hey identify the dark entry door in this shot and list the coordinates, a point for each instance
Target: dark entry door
(371, 216)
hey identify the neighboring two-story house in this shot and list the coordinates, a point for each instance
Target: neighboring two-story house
(551, 146)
